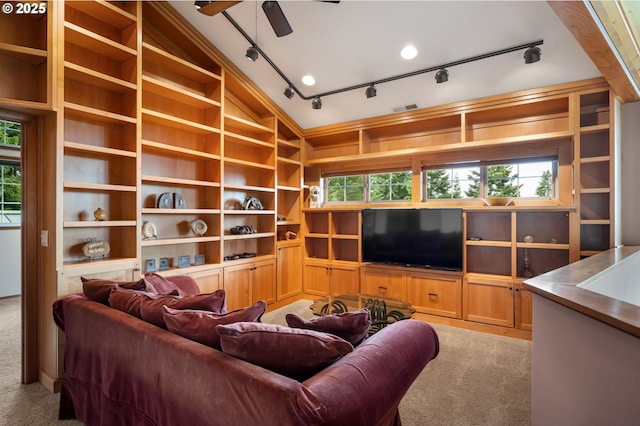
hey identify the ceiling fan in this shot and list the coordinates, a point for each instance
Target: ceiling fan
(271, 9)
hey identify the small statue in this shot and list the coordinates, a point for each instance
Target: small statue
(315, 200)
(100, 214)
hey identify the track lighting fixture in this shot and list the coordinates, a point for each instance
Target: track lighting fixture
(371, 91)
(252, 54)
(442, 76)
(288, 92)
(532, 55)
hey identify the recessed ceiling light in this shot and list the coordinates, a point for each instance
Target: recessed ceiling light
(409, 52)
(308, 80)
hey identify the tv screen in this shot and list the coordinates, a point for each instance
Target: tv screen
(428, 238)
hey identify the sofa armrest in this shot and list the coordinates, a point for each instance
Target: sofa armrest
(375, 376)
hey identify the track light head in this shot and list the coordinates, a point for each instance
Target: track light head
(252, 54)
(288, 92)
(442, 76)
(532, 55)
(316, 103)
(371, 91)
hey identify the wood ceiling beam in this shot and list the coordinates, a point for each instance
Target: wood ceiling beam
(576, 17)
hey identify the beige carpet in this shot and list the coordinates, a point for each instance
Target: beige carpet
(477, 379)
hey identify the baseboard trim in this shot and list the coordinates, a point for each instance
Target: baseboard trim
(51, 384)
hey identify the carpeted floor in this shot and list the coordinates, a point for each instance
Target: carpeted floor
(477, 379)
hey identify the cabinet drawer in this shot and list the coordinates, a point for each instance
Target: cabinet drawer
(436, 296)
(383, 282)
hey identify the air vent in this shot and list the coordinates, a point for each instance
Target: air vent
(405, 108)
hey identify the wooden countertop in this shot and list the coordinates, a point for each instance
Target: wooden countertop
(562, 286)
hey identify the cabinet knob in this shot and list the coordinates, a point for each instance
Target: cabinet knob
(433, 294)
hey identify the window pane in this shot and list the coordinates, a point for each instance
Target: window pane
(10, 195)
(516, 179)
(345, 188)
(394, 186)
(10, 133)
(460, 182)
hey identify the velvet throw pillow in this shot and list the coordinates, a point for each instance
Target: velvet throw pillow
(292, 352)
(158, 284)
(200, 326)
(351, 326)
(148, 306)
(99, 289)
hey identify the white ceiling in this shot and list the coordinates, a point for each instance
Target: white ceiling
(356, 42)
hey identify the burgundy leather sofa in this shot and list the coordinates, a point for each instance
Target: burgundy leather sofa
(120, 370)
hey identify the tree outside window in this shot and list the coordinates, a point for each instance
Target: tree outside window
(395, 186)
(345, 188)
(10, 194)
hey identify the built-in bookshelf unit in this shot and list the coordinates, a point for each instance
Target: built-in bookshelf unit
(181, 162)
(99, 123)
(26, 64)
(596, 175)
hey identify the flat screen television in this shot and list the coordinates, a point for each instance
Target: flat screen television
(425, 238)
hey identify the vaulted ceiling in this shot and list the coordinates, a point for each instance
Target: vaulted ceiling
(349, 43)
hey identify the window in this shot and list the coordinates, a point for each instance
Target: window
(10, 173)
(10, 194)
(10, 133)
(387, 186)
(518, 178)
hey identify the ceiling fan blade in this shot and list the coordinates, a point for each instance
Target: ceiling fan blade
(276, 18)
(211, 8)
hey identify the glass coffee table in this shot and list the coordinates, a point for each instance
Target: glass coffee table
(383, 310)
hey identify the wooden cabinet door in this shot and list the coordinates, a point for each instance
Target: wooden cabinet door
(384, 282)
(289, 271)
(344, 279)
(488, 300)
(237, 286)
(435, 295)
(523, 307)
(263, 281)
(209, 280)
(316, 279)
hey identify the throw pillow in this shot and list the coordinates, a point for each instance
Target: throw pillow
(148, 306)
(158, 284)
(351, 326)
(201, 325)
(98, 289)
(292, 352)
(129, 301)
(151, 307)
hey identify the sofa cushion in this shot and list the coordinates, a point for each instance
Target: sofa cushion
(98, 289)
(187, 284)
(148, 306)
(351, 326)
(158, 284)
(201, 325)
(293, 352)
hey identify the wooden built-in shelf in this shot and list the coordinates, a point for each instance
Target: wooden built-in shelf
(97, 114)
(177, 65)
(178, 181)
(181, 240)
(231, 237)
(163, 119)
(94, 78)
(248, 188)
(98, 149)
(99, 187)
(163, 147)
(105, 11)
(27, 54)
(98, 223)
(174, 93)
(250, 126)
(153, 210)
(92, 41)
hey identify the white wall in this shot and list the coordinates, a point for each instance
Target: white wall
(10, 261)
(630, 174)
